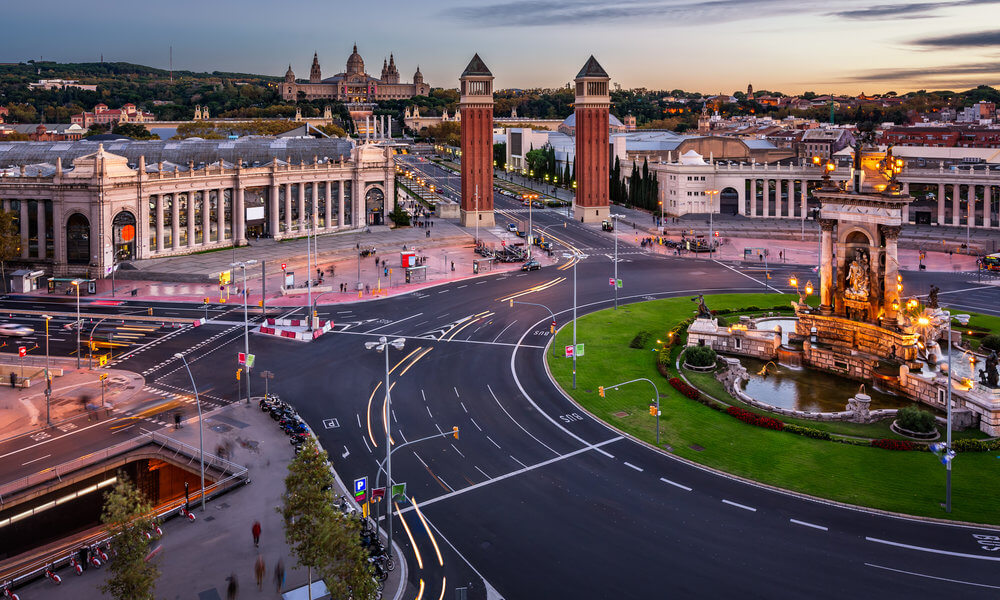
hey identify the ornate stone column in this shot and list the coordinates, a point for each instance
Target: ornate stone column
(220, 214)
(302, 207)
(239, 216)
(987, 201)
(272, 210)
(891, 292)
(159, 224)
(288, 208)
(40, 217)
(327, 206)
(23, 226)
(753, 197)
(804, 200)
(340, 200)
(175, 223)
(956, 203)
(970, 204)
(940, 205)
(906, 207)
(767, 199)
(314, 213)
(826, 282)
(191, 217)
(206, 217)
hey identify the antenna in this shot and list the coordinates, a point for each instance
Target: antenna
(171, 64)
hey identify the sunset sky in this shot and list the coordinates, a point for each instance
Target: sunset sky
(697, 45)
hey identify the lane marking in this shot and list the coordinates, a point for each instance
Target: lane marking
(36, 459)
(766, 285)
(457, 450)
(463, 406)
(516, 423)
(394, 322)
(494, 443)
(456, 391)
(738, 505)
(424, 339)
(932, 550)
(476, 424)
(482, 471)
(814, 526)
(429, 412)
(992, 587)
(503, 330)
(515, 473)
(517, 461)
(628, 464)
(366, 444)
(675, 484)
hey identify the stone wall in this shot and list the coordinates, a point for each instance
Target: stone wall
(742, 342)
(865, 337)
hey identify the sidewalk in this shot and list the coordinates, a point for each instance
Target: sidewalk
(196, 558)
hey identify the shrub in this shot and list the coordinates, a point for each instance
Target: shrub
(640, 339)
(808, 432)
(991, 342)
(699, 356)
(912, 418)
(663, 356)
(753, 418)
(893, 445)
(722, 321)
(684, 388)
(976, 445)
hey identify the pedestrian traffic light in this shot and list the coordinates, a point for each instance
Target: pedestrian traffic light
(552, 328)
(283, 266)
(151, 311)
(652, 410)
(238, 372)
(454, 431)
(600, 391)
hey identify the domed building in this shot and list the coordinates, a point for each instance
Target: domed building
(354, 84)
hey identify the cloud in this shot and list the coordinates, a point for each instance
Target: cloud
(928, 73)
(525, 13)
(976, 39)
(906, 10)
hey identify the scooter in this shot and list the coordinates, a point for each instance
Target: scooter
(76, 566)
(52, 575)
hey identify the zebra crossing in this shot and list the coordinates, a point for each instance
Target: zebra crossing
(137, 351)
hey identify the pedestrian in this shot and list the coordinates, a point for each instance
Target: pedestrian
(428, 234)
(256, 533)
(258, 571)
(279, 575)
(177, 420)
(452, 265)
(233, 589)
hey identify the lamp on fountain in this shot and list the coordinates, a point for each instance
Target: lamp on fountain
(809, 288)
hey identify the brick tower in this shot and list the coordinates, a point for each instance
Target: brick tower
(593, 101)
(477, 144)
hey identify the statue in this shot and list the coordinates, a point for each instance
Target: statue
(703, 312)
(932, 300)
(857, 277)
(989, 375)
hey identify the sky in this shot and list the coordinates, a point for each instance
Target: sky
(709, 46)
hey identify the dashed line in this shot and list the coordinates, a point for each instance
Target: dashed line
(804, 524)
(359, 419)
(675, 484)
(476, 424)
(463, 406)
(366, 444)
(459, 451)
(482, 471)
(738, 505)
(628, 464)
(456, 391)
(490, 439)
(429, 412)
(517, 461)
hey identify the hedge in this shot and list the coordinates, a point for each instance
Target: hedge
(976, 445)
(699, 356)
(752, 418)
(912, 418)
(684, 388)
(640, 339)
(893, 444)
(809, 432)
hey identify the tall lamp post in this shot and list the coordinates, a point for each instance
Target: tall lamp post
(614, 220)
(711, 225)
(578, 256)
(246, 318)
(382, 345)
(201, 436)
(947, 454)
(48, 378)
(79, 324)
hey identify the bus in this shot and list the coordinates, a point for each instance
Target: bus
(990, 262)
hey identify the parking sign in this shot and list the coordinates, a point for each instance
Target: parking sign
(360, 489)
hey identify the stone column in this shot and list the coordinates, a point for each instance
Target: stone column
(272, 211)
(753, 197)
(302, 207)
(206, 217)
(740, 200)
(906, 207)
(220, 214)
(340, 206)
(791, 199)
(327, 208)
(804, 200)
(23, 225)
(940, 205)
(956, 203)
(314, 213)
(288, 208)
(826, 265)
(40, 217)
(175, 223)
(159, 224)
(239, 216)
(891, 292)
(190, 216)
(970, 204)
(987, 201)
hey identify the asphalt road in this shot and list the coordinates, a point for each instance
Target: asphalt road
(536, 499)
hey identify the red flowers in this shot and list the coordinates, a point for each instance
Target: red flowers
(893, 445)
(752, 418)
(685, 389)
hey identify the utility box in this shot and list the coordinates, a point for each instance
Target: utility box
(408, 259)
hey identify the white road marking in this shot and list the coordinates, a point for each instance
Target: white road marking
(36, 459)
(346, 453)
(494, 443)
(456, 391)
(459, 451)
(804, 524)
(737, 505)
(628, 464)
(675, 484)
(420, 459)
(394, 322)
(516, 423)
(766, 285)
(992, 587)
(429, 412)
(359, 419)
(482, 471)
(480, 282)
(366, 443)
(517, 461)
(504, 329)
(463, 406)
(393, 411)
(933, 550)
(476, 424)
(402, 436)
(417, 337)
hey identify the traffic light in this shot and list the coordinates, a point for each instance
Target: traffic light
(151, 311)
(652, 410)
(454, 431)
(512, 303)
(600, 391)
(283, 266)
(238, 373)
(552, 328)
(205, 301)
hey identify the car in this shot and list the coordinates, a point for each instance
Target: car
(520, 233)
(538, 204)
(512, 227)
(531, 265)
(15, 329)
(545, 245)
(607, 226)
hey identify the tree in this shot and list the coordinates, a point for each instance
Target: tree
(127, 514)
(10, 242)
(332, 129)
(320, 537)
(134, 131)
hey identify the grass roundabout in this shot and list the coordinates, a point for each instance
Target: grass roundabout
(852, 471)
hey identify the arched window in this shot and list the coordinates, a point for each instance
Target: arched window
(78, 239)
(123, 232)
(375, 206)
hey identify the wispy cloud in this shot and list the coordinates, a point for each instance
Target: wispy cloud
(929, 74)
(976, 39)
(905, 10)
(524, 13)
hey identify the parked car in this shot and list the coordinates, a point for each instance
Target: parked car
(512, 227)
(531, 265)
(15, 329)
(545, 245)
(538, 204)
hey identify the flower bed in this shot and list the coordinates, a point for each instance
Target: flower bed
(894, 445)
(684, 388)
(752, 418)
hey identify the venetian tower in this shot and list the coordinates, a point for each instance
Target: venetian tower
(593, 102)
(476, 106)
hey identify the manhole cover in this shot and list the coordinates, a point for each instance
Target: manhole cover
(620, 414)
(220, 428)
(696, 447)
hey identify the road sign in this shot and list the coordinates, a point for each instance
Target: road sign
(579, 349)
(619, 283)
(611, 281)
(360, 489)
(241, 358)
(250, 358)
(378, 493)
(22, 351)
(399, 492)
(569, 351)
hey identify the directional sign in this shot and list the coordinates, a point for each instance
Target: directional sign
(22, 351)
(250, 358)
(399, 492)
(611, 281)
(378, 494)
(241, 358)
(360, 489)
(619, 283)
(579, 349)
(569, 351)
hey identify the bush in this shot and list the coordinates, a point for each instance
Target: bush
(894, 445)
(991, 342)
(912, 418)
(808, 432)
(663, 356)
(699, 356)
(400, 217)
(640, 339)
(752, 418)
(976, 445)
(721, 321)
(685, 389)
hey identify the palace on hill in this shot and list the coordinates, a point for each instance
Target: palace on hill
(354, 85)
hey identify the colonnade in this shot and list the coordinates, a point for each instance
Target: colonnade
(794, 189)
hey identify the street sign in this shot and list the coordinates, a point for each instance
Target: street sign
(378, 493)
(360, 489)
(611, 281)
(569, 351)
(250, 358)
(619, 283)
(399, 492)
(241, 358)
(579, 349)
(22, 351)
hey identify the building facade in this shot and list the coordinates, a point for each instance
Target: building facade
(354, 85)
(476, 108)
(110, 207)
(104, 115)
(593, 103)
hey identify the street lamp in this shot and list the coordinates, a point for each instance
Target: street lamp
(246, 318)
(578, 256)
(382, 345)
(614, 220)
(79, 324)
(48, 378)
(201, 436)
(711, 227)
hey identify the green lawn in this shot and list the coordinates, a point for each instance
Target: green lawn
(906, 482)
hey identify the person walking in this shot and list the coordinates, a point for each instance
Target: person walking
(279, 575)
(233, 589)
(258, 571)
(256, 533)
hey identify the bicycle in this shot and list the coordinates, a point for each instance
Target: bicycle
(9, 595)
